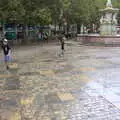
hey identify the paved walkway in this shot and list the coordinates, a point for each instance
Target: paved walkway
(84, 84)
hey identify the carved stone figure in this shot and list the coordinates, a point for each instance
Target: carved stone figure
(101, 20)
(108, 17)
(114, 18)
(109, 3)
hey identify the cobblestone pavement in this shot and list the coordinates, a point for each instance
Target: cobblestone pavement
(81, 85)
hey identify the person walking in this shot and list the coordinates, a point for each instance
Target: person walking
(7, 53)
(62, 39)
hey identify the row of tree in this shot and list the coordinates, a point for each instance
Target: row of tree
(45, 12)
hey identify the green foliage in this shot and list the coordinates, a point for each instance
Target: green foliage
(53, 11)
(42, 16)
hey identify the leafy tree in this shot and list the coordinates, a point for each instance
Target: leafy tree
(53, 11)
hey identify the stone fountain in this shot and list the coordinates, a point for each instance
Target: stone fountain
(108, 21)
(108, 30)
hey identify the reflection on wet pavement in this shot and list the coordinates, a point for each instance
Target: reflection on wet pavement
(82, 85)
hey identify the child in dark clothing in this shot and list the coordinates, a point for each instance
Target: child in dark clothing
(62, 45)
(6, 51)
(62, 39)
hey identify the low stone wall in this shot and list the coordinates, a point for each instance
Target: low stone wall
(85, 39)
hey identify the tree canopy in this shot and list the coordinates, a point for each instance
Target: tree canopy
(46, 12)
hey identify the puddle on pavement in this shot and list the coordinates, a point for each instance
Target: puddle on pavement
(12, 83)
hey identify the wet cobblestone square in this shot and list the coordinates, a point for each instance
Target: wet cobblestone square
(81, 85)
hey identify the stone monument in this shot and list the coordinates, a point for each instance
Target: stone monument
(108, 21)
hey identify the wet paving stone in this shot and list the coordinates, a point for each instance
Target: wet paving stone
(64, 69)
(84, 57)
(65, 96)
(45, 86)
(5, 76)
(26, 101)
(52, 98)
(40, 100)
(48, 60)
(47, 72)
(87, 69)
(29, 74)
(9, 103)
(16, 116)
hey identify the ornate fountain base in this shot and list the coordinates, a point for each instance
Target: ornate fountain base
(99, 40)
(108, 29)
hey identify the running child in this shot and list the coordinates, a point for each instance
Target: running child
(6, 51)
